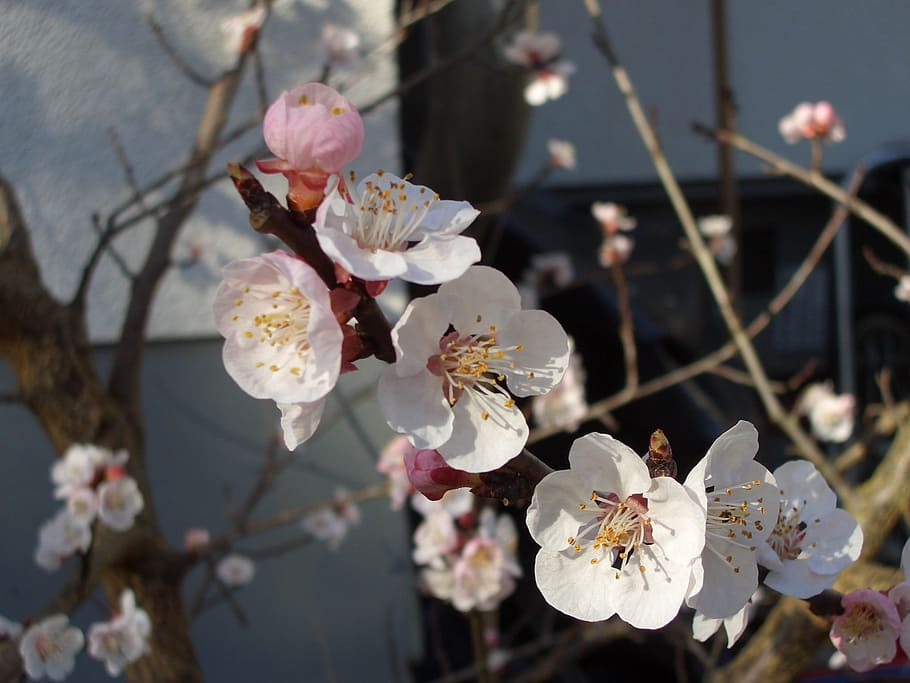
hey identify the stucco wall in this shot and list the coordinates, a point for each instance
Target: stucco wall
(71, 70)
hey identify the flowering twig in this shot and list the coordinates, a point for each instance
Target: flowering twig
(706, 262)
(856, 206)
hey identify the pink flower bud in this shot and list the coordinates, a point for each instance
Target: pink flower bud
(314, 132)
(195, 539)
(430, 474)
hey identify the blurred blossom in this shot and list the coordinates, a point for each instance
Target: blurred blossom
(391, 464)
(714, 225)
(867, 631)
(124, 638)
(540, 53)
(902, 290)
(331, 523)
(553, 270)
(59, 538)
(195, 539)
(9, 630)
(339, 45)
(119, 501)
(234, 570)
(240, 29)
(810, 121)
(565, 406)
(49, 648)
(615, 250)
(831, 415)
(562, 154)
(612, 217)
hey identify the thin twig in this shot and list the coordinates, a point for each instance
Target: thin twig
(479, 647)
(626, 329)
(705, 260)
(881, 267)
(168, 49)
(744, 378)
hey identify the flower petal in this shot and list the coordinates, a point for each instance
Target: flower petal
(433, 261)
(544, 356)
(415, 406)
(481, 445)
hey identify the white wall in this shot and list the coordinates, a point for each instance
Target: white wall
(854, 53)
(69, 70)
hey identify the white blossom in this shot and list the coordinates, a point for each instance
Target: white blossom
(446, 390)
(565, 406)
(612, 217)
(734, 625)
(389, 228)
(79, 466)
(615, 250)
(331, 523)
(613, 540)
(456, 503)
(391, 464)
(60, 537)
(540, 53)
(119, 501)
(339, 44)
(902, 289)
(434, 538)
(49, 648)
(715, 225)
(123, 639)
(282, 340)
(485, 571)
(562, 154)
(900, 596)
(741, 500)
(831, 415)
(812, 121)
(82, 505)
(813, 538)
(9, 630)
(235, 570)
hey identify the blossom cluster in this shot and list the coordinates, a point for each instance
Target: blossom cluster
(93, 483)
(616, 540)
(614, 224)
(810, 121)
(467, 559)
(460, 354)
(49, 647)
(830, 415)
(331, 523)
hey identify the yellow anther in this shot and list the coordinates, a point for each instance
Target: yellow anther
(295, 371)
(303, 99)
(337, 111)
(273, 368)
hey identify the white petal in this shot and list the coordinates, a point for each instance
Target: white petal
(678, 523)
(704, 627)
(554, 515)
(730, 453)
(416, 335)
(545, 352)
(609, 465)
(650, 598)
(481, 445)
(437, 260)
(416, 406)
(574, 586)
(481, 297)
(795, 579)
(726, 591)
(299, 421)
(837, 540)
(368, 264)
(800, 481)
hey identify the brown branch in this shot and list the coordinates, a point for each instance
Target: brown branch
(881, 267)
(626, 329)
(124, 382)
(813, 179)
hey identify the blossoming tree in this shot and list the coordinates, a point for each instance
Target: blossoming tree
(620, 534)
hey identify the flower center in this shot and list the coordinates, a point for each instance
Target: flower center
(47, 647)
(731, 512)
(276, 318)
(789, 533)
(616, 530)
(861, 622)
(475, 364)
(387, 217)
